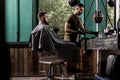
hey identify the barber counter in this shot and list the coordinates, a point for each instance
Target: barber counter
(102, 47)
(106, 43)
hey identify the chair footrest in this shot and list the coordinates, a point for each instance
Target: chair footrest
(71, 77)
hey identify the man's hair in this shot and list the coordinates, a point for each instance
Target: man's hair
(40, 14)
(79, 5)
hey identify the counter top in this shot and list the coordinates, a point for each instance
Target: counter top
(107, 43)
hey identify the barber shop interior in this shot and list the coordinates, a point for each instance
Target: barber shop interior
(60, 39)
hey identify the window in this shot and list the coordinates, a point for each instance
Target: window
(58, 10)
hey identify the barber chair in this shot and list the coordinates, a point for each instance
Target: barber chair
(112, 69)
(50, 61)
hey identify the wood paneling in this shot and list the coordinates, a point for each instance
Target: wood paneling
(21, 61)
(25, 61)
(88, 61)
(16, 61)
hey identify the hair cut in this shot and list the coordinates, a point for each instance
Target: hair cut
(40, 14)
(79, 5)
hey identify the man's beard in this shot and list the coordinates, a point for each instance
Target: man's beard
(79, 13)
(45, 22)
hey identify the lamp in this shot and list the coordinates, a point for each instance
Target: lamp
(111, 3)
(73, 2)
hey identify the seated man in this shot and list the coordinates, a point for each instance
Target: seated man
(43, 38)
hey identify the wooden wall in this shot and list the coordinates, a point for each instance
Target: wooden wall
(20, 59)
(88, 62)
(22, 62)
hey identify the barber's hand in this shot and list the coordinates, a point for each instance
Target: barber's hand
(95, 33)
(79, 32)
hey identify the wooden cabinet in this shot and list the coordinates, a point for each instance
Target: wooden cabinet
(88, 62)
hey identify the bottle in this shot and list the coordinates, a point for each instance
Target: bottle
(106, 31)
(100, 34)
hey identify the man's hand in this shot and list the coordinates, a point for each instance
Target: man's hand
(91, 32)
(80, 32)
(95, 33)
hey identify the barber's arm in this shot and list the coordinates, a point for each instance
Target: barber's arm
(81, 26)
(67, 28)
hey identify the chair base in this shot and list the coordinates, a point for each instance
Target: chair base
(97, 77)
(51, 61)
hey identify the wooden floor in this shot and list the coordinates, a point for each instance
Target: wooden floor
(56, 78)
(28, 78)
(44, 78)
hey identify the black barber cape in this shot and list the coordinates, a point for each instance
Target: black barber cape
(42, 37)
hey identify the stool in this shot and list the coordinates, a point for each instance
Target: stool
(51, 61)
